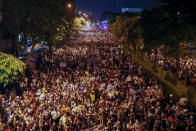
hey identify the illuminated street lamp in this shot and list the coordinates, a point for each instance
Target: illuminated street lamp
(79, 12)
(69, 5)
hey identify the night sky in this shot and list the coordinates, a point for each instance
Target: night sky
(97, 7)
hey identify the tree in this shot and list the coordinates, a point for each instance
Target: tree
(10, 68)
(38, 19)
(165, 26)
(186, 9)
(117, 27)
(134, 32)
(128, 30)
(79, 22)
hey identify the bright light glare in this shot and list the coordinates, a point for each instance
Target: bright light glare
(79, 12)
(69, 5)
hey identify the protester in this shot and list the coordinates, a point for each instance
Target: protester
(91, 83)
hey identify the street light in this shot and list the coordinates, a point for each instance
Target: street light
(79, 12)
(69, 5)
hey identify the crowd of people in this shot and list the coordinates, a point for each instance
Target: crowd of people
(90, 84)
(184, 67)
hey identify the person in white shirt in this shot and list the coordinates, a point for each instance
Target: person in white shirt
(183, 100)
(130, 126)
(54, 114)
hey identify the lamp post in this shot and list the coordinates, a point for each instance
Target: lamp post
(70, 11)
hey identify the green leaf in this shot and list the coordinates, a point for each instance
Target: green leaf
(10, 66)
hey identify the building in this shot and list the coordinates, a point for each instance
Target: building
(131, 10)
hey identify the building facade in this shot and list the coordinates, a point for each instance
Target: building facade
(131, 10)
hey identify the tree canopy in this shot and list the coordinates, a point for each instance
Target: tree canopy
(40, 20)
(169, 25)
(127, 29)
(10, 68)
